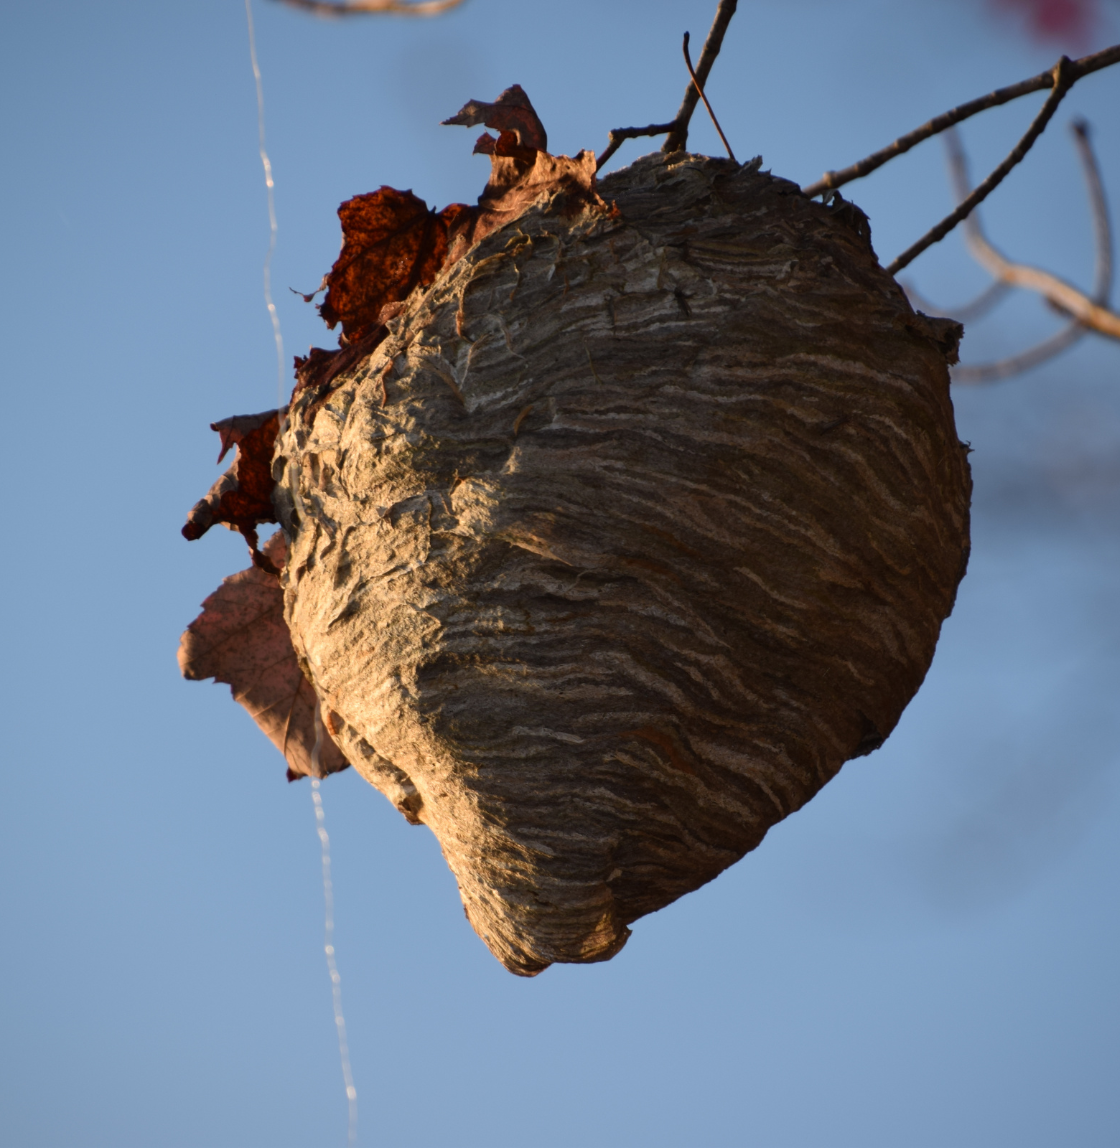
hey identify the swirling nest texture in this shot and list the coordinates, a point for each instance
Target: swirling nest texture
(638, 525)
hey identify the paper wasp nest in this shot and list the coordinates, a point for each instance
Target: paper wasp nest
(636, 527)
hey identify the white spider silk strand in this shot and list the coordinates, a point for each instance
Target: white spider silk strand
(316, 797)
(266, 163)
(328, 939)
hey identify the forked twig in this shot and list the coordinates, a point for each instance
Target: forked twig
(677, 128)
(330, 9)
(985, 254)
(1062, 83)
(1078, 69)
(700, 89)
(678, 137)
(977, 244)
(1090, 312)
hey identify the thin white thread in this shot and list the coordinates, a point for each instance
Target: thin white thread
(266, 163)
(328, 939)
(316, 797)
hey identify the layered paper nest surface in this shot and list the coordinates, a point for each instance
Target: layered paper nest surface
(638, 526)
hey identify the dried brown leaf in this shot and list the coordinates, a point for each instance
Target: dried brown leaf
(511, 114)
(242, 498)
(241, 639)
(522, 171)
(514, 187)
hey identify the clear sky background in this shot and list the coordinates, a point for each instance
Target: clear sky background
(925, 955)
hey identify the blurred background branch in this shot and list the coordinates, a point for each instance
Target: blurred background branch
(966, 312)
(1012, 274)
(1092, 313)
(328, 10)
(1089, 312)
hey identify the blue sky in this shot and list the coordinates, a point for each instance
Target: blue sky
(925, 955)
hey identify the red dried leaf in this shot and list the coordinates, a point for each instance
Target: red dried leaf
(242, 498)
(241, 639)
(237, 428)
(391, 244)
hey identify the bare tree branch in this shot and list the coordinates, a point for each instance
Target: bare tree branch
(616, 138)
(328, 10)
(677, 128)
(1094, 186)
(982, 250)
(1058, 292)
(1062, 82)
(1078, 69)
(967, 312)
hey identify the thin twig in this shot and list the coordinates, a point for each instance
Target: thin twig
(1062, 82)
(328, 9)
(967, 312)
(1078, 69)
(700, 89)
(677, 128)
(678, 137)
(985, 254)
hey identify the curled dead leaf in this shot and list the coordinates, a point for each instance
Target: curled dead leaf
(522, 171)
(512, 115)
(241, 639)
(242, 498)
